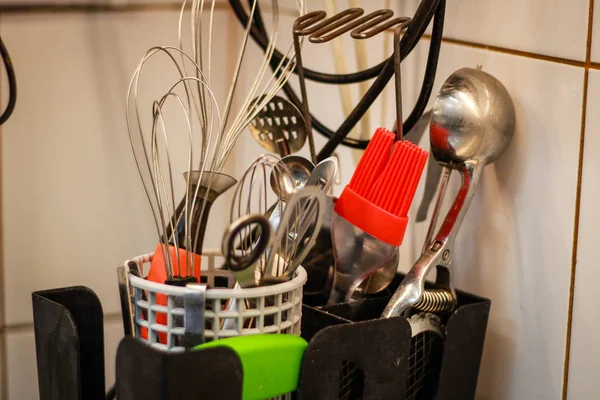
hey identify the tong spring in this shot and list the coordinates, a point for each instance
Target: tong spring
(436, 300)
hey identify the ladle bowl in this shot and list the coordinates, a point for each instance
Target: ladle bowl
(473, 118)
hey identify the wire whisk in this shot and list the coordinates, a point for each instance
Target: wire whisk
(190, 132)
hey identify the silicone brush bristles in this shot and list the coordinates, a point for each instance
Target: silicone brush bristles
(389, 181)
(372, 161)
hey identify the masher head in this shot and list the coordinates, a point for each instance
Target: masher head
(279, 127)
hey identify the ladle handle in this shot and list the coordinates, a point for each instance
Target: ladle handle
(443, 185)
(471, 172)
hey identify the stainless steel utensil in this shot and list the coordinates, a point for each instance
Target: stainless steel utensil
(323, 175)
(279, 127)
(380, 279)
(299, 168)
(211, 128)
(473, 122)
(357, 255)
(319, 261)
(244, 243)
(296, 234)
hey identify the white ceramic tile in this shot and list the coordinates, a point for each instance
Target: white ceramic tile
(21, 365)
(595, 56)
(80, 2)
(73, 204)
(557, 28)
(2, 357)
(515, 244)
(585, 349)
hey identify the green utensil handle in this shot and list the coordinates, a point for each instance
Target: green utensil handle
(271, 362)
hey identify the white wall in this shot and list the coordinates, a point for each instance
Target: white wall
(73, 208)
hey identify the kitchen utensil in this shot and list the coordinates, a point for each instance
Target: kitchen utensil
(207, 187)
(211, 133)
(240, 107)
(372, 212)
(254, 192)
(299, 168)
(370, 217)
(298, 221)
(473, 122)
(156, 164)
(323, 175)
(321, 31)
(244, 243)
(279, 127)
(320, 259)
(420, 22)
(271, 363)
(243, 253)
(265, 260)
(380, 279)
(296, 234)
(320, 262)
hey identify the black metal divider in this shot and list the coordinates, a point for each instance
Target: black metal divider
(69, 341)
(464, 330)
(149, 374)
(351, 354)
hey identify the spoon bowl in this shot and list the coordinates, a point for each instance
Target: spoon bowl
(299, 168)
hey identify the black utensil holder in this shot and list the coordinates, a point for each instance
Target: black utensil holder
(69, 340)
(348, 347)
(378, 350)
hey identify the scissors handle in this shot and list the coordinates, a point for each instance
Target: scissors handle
(246, 222)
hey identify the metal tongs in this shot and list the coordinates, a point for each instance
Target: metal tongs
(437, 252)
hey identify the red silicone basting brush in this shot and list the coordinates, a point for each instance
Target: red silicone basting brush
(371, 214)
(380, 193)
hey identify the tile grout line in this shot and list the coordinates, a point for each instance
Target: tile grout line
(27, 326)
(3, 356)
(518, 53)
(42, 8)
(587, 66)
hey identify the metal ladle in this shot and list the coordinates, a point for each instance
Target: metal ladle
(472, 124)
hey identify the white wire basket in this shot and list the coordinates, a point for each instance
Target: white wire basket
(174, 318)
